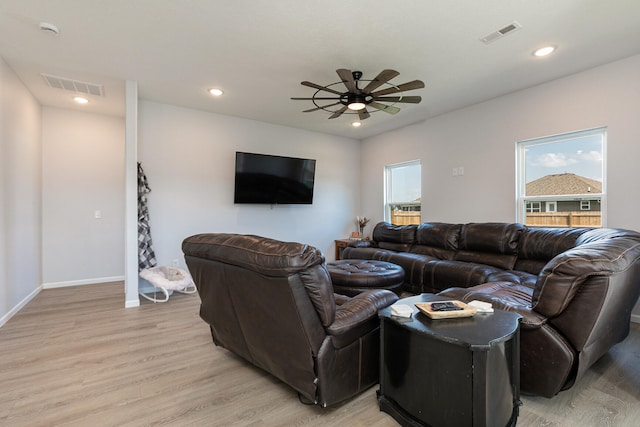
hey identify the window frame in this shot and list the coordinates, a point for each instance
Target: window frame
(388, 187)
(521, 198)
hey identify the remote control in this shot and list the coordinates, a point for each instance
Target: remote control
(444, 306)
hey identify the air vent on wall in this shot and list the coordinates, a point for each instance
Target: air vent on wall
(73, 85)
(495, 35)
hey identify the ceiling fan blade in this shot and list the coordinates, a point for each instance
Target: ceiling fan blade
(320, 108)
(363, 114)
(386, 108)
(383, 77)
(316, 98)
(338, 113)
(347, 79)
(416, 84)
(315, 86)
(409, 99)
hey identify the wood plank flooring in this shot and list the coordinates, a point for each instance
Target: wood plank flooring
(76, 357)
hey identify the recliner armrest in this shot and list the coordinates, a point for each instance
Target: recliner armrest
(358, 315)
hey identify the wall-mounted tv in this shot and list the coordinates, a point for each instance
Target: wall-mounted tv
(263, 178)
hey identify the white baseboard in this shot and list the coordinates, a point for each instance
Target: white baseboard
(82, 282)
(132, 303)
(635, 318)
(4, 319)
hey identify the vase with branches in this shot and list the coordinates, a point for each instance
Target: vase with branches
(362, 222)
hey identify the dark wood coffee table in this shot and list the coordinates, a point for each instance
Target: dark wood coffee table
(450, 372)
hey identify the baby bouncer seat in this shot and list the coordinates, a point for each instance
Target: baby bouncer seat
(167, 280)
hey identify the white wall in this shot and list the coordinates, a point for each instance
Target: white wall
(20, 190)
(82, 171)
(189, 159)
(482, 137)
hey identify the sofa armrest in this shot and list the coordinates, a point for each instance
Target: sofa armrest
(359, 314)
(502, 296)
(567, 273)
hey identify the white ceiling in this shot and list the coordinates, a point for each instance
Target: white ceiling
(258, 52)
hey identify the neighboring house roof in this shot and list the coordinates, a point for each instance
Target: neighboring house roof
(562, 184)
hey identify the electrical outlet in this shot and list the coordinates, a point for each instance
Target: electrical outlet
(460, 170)
(174, 262)
(454, 172)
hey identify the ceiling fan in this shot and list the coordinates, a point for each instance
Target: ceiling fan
(356, 100)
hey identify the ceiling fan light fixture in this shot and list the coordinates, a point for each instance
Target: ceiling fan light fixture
(356, 100)
(356, 106)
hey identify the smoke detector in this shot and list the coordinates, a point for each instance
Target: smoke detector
(49, 28)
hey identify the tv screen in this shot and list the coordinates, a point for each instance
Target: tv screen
(263, 178)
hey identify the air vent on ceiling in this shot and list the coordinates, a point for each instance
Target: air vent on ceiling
(73, 85)
(495, 35)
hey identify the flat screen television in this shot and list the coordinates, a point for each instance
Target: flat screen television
(267, 179)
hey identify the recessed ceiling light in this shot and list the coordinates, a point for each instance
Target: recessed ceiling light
(356, 124)
(215, 91)
(544, 51)
(80, 100)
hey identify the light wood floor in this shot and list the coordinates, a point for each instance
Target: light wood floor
(77, 357)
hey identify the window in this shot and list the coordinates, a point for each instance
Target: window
(560, 180)
(533, 206)
(551, 207)
(402, 193)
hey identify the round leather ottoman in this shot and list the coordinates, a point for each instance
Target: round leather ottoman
(353, 276)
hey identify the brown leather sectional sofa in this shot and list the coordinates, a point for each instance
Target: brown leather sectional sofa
(575, 288)
(272, 303)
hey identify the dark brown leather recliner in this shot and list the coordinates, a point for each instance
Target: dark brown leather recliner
(272, 303)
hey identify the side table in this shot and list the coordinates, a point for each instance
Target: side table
(340, 245)
(450, 372)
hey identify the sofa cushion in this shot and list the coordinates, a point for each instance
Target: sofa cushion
(413, 266)
(503, 261)
(385, 232)
(438, 235)
(494, 237)
(442, 274)
(595, 234)
(430, 251)
(532, 266)
(396, 247)
(516, 277)
(539, 245)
